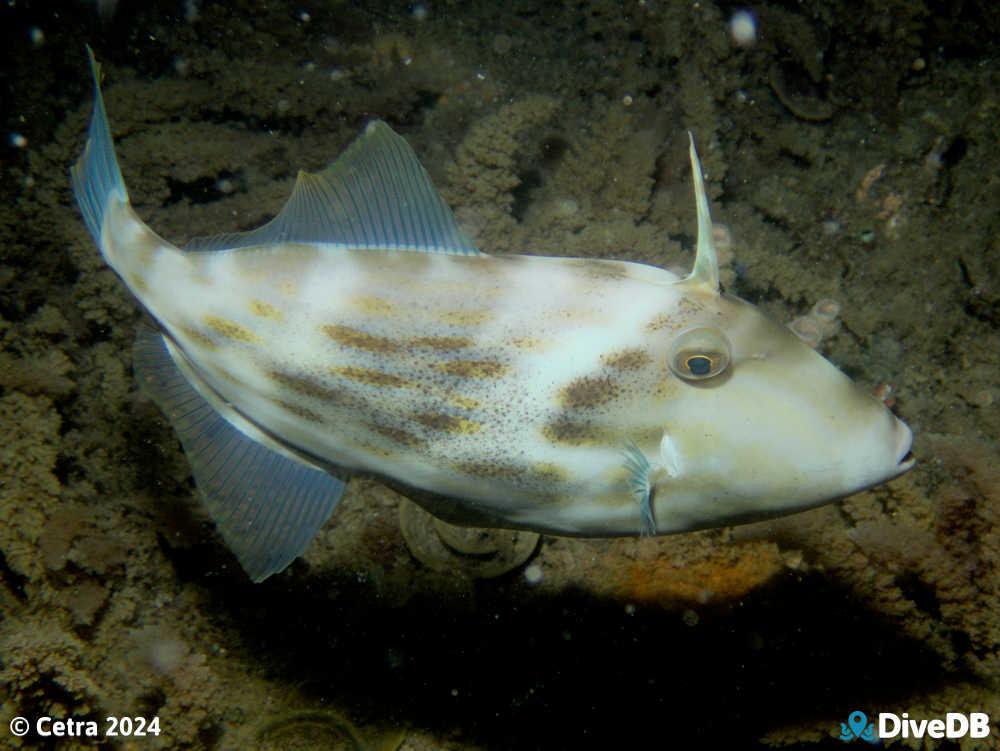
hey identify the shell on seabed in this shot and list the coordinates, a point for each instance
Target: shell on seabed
(476, 552)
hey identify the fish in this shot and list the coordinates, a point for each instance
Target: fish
(360, 331)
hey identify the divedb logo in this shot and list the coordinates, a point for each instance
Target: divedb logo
(954, 725)
(890, 726)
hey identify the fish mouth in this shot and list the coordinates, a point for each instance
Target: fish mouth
(904, 442)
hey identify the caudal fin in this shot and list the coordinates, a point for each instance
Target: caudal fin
(96, 177)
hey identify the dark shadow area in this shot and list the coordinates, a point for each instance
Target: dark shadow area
(515, 669)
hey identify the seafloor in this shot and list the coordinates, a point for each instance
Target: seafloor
(851, 151)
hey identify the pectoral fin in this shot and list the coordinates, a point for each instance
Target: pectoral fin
(638, 469)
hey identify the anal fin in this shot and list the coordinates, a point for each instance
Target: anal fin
(267, 507)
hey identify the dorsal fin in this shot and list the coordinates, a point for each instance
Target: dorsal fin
(706, 261)
(374, 195)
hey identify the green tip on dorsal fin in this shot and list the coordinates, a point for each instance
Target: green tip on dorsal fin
(706, 261)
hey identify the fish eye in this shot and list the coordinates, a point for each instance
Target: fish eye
(699, 353)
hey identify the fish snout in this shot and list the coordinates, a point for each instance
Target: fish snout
(902, 438)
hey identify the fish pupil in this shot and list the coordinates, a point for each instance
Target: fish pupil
(699, 365)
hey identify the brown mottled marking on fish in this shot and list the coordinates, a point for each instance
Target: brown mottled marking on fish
(230, 329)
(299, 411)
(472, 368)
(466, 317)
(306, 386)
(375, 306)
(570, 433)
(398, 435)
(539, 473)
(595, 268)
(442, 343)
(265, 310)
(198, 337)
(659, 322)
(356, 339)
(373, 449)
(588, 392)
(490, 470)
(227, 376)
(373, 377)
(665, 387)
(549, 472)
(448, 423)
(685, 307)
(627, 359)
(138, 283)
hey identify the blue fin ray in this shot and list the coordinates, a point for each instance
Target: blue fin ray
(266, 506)
(96, 176)
(637, 466)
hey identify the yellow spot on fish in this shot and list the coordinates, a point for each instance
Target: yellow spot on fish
(266, 310)
(448, 423)
(529, 343)
(587, 392)
(356, 339)
(372, 377)
(466, 317)
(464, 402)
(442, 343)
(230, 329)
(472, 368)
(374, 306)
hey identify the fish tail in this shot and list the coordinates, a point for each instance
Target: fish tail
(97, 180)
